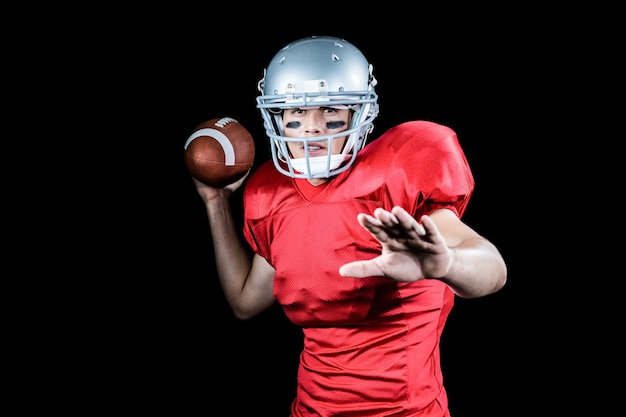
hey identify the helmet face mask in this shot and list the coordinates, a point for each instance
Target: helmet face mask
(318, 72)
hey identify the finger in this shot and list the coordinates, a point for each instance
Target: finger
(428, 225)
(385, 218)
(408, 222)
(374, 226)
(368, 221)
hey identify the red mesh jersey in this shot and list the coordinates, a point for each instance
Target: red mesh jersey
(371, 345)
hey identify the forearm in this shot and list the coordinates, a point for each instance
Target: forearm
(477, 269)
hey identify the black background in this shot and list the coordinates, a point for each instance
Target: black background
(155, 332)
(461, 82)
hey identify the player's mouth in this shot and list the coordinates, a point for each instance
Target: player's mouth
(315, 148)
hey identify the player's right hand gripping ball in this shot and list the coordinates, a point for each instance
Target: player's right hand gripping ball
(219, 152)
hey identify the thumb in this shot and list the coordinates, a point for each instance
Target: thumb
(360, 269)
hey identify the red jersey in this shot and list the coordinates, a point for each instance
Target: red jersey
(371, 345)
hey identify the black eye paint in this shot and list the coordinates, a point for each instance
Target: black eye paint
(329, 125)
(335, 125)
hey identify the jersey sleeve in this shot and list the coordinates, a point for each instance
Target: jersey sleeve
(424, 165)
(266, 192)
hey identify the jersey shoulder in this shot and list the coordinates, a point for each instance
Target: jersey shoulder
(421, 157)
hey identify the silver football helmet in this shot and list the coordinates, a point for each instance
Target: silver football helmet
(319, 71)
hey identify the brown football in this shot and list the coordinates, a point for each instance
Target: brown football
(219, 151)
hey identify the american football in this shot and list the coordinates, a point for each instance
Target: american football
(219, 152)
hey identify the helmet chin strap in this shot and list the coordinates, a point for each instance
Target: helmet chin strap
(318, 164)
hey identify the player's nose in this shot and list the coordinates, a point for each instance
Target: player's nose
(314, 123)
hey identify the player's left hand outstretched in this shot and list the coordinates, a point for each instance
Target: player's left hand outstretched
(410, 250)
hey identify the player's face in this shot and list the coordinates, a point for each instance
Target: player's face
(308, 122)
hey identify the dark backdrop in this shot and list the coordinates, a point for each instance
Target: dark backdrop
(208, 356)
(162, 337)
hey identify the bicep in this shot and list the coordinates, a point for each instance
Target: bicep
(453, 230)
(259, 287)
